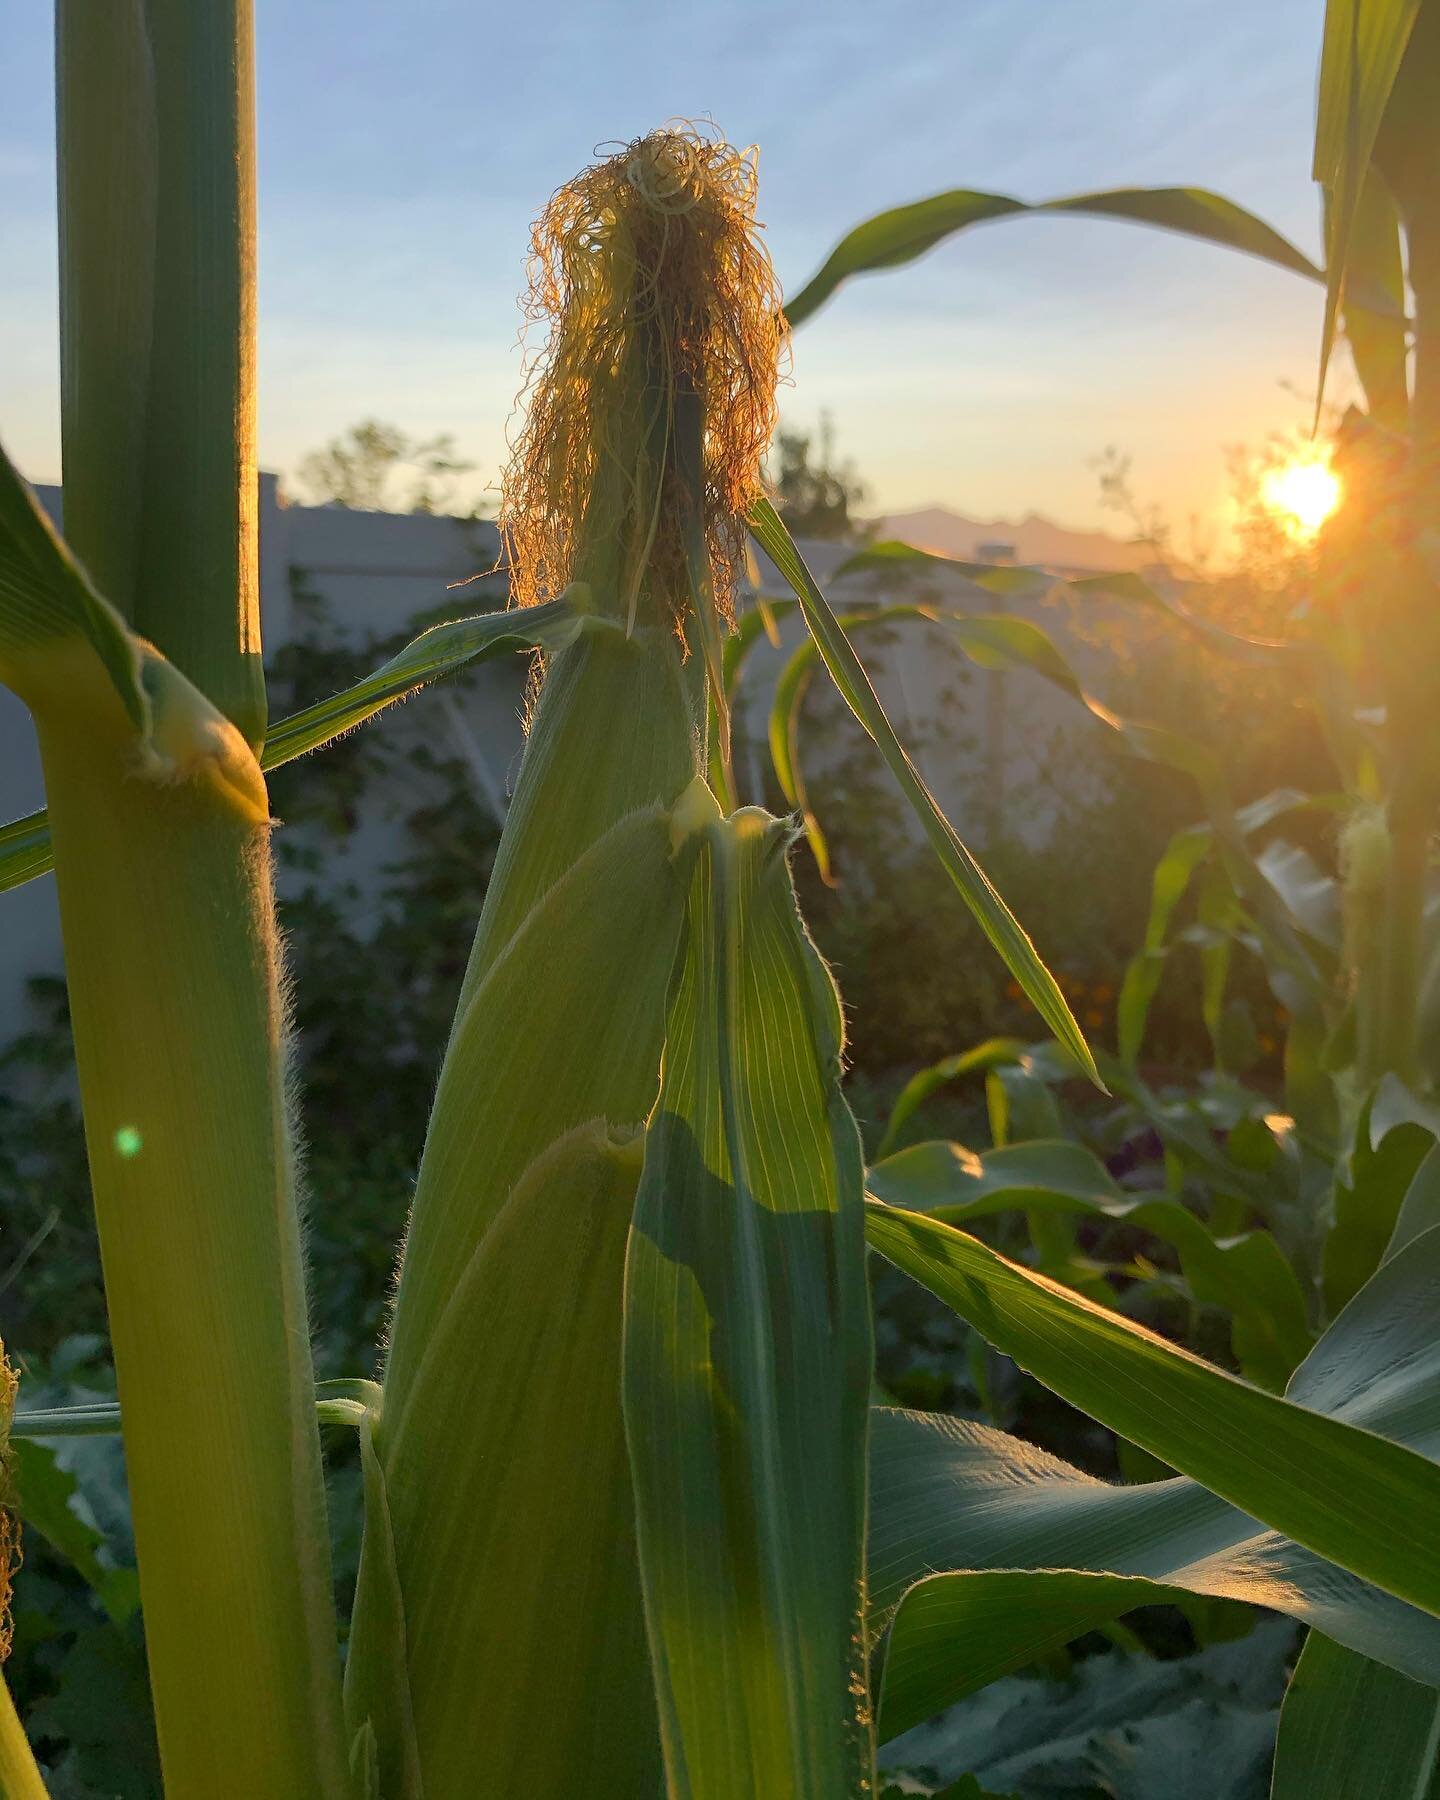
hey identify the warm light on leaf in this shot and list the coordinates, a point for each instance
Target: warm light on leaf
(1302, 493)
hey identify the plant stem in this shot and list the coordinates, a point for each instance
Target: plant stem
(171, 953)
(172, 967)
(1411, 817)
(157, 211)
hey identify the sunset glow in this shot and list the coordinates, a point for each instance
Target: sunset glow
(1302, 493)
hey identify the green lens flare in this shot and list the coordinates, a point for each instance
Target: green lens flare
(128, 1141)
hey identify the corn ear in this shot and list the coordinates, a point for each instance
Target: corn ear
(617, 726)
(747, 1350)
(491, 1306)
(569, 1019)
(522, 1615)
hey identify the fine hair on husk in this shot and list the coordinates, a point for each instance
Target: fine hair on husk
(653, 395)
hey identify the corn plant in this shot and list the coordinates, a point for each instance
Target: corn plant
(632, 1525)
(1353, 956)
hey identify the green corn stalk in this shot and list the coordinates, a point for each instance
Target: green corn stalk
(160, 826)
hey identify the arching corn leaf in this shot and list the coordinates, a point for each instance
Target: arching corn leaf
(49, 608)
(1364, 45)
(899, 236)
(971, 1589)
(1334, 1484)
(442, 650)
(993, 915)
(989, 1055)
(1247, 1275)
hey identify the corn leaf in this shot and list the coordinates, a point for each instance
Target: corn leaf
(1378, 340)
(1350, 1725)
(784, 731)
(1168, 885)
(901, 235)
(747, 1353)
(1001, 641)
(1364, 46)
(1247, 1276)
(49, 607)
(993, 915)
(379, 1706)
(1011, 581)
(970, 1589)
(25, 850)
(516, 1629)
(48, 1499)
(1331, 1483)
(442, 650)
(919, 1088)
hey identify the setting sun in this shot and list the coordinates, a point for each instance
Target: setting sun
(1302, 493)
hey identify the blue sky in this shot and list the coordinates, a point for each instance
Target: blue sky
(404, 148)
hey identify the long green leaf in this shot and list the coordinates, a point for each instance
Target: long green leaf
(986, 1553)
(442, 650)
(919, 1088)
(1363, 48)
(49, 607)
(1247, 1276)
(1011, 581)
(1351, 1726)
(1340, 1490)
(994, 916)
(747, 1353)
(1168, 885)
(1378, 340)
(899, 236)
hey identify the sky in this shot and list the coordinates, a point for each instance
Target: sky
(404, 149)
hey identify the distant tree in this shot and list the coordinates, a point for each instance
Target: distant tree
(817, 498)
(375, 467)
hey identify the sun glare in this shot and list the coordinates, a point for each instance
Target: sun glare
(1302, 493)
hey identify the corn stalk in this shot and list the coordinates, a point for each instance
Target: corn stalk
(160, 829)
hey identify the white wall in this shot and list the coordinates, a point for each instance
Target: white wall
(375, 572)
